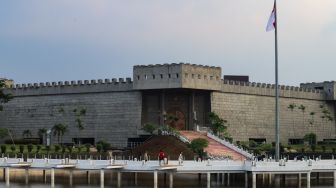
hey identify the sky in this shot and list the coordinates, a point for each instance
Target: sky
(60, 40)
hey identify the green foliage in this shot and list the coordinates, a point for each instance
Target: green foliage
(59, 130)
(150, 128)
(38, 148)
(48, 148)
(334, 150)
(3, 132)
(30, 148)
(78, 117)
(302, 108)
(313, 147)
(41, 132)
(13, 148)
(217, 124)
(105, 145)
(253, 144)
(198, 145)
(26, 133)
(3, 148)
(291, 106)
(87, 147)
(310, 138)
(70, 148)
(21, 148)
(265, 147)
(99, 148)
(58, 148)
(4, 98)
(323, 148)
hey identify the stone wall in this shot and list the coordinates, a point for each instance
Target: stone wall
(251, 115)
(113, 111)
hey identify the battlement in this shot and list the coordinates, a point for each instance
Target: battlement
(176, 75)
(68, 87)
(327, 87)
(265, 89)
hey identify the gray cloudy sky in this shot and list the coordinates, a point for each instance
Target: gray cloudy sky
(90, 39)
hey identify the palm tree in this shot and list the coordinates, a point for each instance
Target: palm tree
(79, 122)
(41, 133)
(59, 130)
(292, 107)
(303, 109)
(26, 133)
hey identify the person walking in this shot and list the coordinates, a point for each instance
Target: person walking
(161, 156)
(146, 156)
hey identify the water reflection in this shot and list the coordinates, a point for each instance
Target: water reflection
(145, 180)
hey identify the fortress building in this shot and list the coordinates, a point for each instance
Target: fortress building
(116, 110)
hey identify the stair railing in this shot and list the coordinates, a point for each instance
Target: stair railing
(230, 145)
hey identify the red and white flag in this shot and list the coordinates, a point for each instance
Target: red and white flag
(271, 21)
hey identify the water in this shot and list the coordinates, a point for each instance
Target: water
(145, 180)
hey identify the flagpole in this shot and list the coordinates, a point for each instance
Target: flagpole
(277, 126)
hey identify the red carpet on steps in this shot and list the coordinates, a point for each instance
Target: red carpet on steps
(214, 147)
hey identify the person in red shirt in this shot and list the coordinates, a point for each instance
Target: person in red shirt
(161, 156)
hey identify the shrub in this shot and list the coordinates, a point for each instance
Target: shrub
(334, 150)
(38, 148)
(48, 148)
(323, 148)
(87, 147)
(21, 147)
(70, 148)
(311, 138)
(313, 147)
(99, 148)
(22, 141)
(30, 148)
(105, 145)
(58, 148)
(217, 123)
(13, 148)
(198, 145)
(3, 148)
(150, 128)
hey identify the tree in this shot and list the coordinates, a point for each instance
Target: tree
(42, 133)
(303, 110)
(291, 107)
(26, 133)
(59, 130)
(4, 98)
(217, 124)
(150, 128)
(78, 120)
(198, 145)
(311, 138)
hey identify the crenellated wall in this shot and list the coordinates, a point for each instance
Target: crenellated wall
(71, 87)
(249, 109)
(113, 109)
(263, 89)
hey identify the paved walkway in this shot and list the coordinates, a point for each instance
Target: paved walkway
(214, 147)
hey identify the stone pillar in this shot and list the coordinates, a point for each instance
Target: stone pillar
(270, 179)
(70, 177)
(88, 177)
(334, 178)
(44, 176)
(208, 180)
(218, 178)
(299, 179)
(170, 179)
(155, 179)
(228, 179)
(135, 178)
(102, 178)
(52, 177)
(254, 180)
(119, 178)
(191, 119)
(246, 179)
(7, 176)
(223, 178)
(26, 176)
(308, 180)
